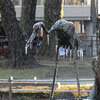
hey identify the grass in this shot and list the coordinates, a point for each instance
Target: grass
(26, 73)
(66, 70)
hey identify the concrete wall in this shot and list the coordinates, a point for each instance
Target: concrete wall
(76, 11)
(71, 12)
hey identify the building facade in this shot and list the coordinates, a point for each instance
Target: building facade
(80, 12)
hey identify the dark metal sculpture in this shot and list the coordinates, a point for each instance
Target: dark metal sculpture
(66, 36)
(65, 32)
(36, 29)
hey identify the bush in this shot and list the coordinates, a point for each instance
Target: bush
(23, 98)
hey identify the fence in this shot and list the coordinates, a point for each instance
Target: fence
(90, 45)
(35, 82)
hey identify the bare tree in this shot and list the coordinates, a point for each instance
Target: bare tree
(27, 17)
(26, 23)
(96, 68)
(15, 33)
(53, 10)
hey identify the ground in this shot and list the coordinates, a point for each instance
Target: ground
(66, 69)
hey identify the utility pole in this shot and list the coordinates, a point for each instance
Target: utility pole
(93, 14)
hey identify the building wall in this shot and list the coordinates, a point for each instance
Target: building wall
(78, 8)
(71, 12)
(66, 2)
(77, 2)
(82, 11)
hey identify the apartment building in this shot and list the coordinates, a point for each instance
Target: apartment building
(77, 11)
(80, 12)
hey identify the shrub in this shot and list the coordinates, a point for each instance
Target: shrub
(23, 98)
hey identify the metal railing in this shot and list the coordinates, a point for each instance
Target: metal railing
(46, 82)
(41, 82)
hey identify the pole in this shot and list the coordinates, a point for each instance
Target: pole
(65, 51)
(93, 14)
(10, 87)
(55, 73)
(77, 74)
(55, 69)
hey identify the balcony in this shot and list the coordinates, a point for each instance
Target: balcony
(71, 12)
(77, 12)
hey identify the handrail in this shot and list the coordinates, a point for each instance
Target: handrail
(47, 80)
(43, 82)
(13, 90)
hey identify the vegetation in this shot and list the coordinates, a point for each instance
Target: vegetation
(53, 10)
(26, 73)
(15, 31)
(47, 94)
(23, 98)
(97, 78)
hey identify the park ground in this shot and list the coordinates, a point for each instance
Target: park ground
(66, 69)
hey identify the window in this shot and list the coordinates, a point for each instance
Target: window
(79, 27)
(76, 2)
(40, 2)
(68, 2)
(16, 2)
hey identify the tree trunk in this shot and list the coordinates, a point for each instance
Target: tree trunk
(28, 17)
(15, 34)
(26, 23)
(52, 12)
(97, 78)
(96, 67)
